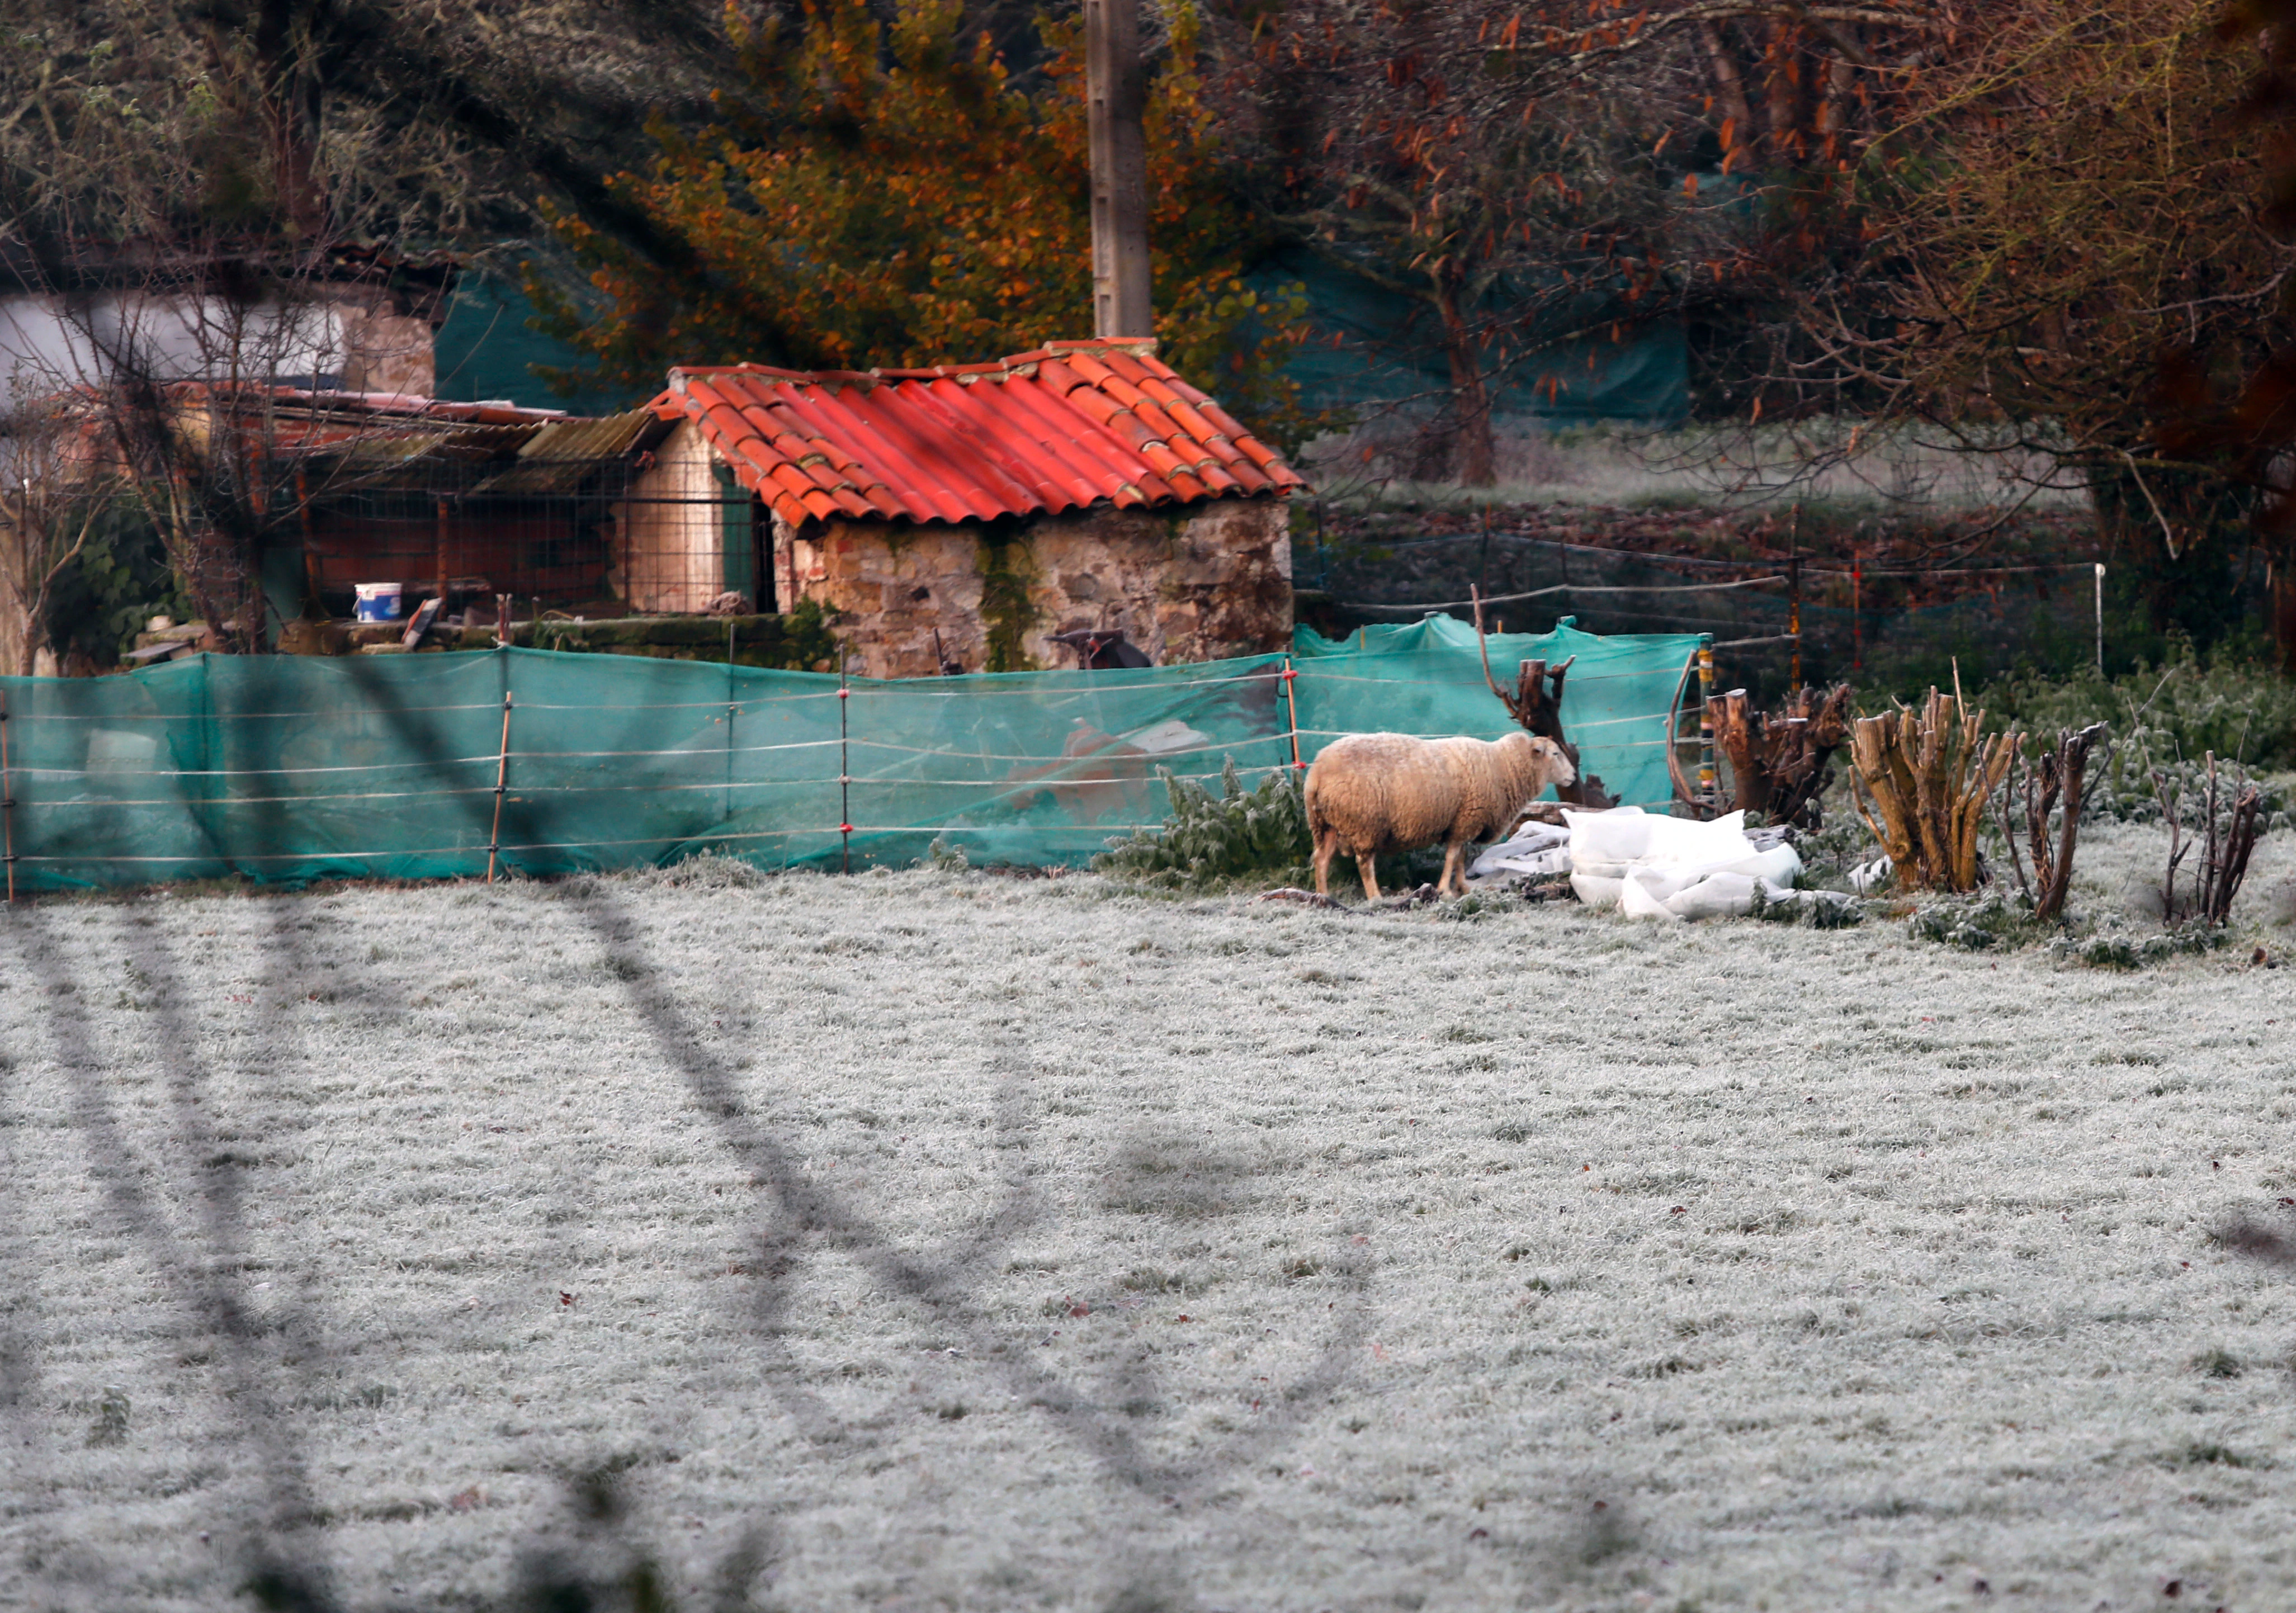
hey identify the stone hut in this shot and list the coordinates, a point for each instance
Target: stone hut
(964, 516)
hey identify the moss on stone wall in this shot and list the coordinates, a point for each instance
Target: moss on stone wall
(1007, 568)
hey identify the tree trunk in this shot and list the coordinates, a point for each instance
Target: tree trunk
(2056, 779)
(1474, 457)
(2173, 538)
(1778, 762)
(293, 106)
(1730, 89)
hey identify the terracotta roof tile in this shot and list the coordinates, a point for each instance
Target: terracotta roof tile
(1067, 425)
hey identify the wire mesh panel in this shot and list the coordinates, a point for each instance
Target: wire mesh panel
(1427, 678)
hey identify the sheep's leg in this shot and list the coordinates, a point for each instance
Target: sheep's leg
(1327, 846)
(1364, 860)
(1451, 873)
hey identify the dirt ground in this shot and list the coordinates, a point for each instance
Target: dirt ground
(943, 1240)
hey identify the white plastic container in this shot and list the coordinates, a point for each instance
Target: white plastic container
(380, 602)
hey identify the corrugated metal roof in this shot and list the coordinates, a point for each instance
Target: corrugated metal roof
(564, 453)
(1070, 424)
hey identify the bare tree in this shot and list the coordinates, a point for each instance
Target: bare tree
(2231, 812)
(1532, 175)
(2059, 253)
(2053, 783)
(51, 506)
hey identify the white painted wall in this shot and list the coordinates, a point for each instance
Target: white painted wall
(361, 343)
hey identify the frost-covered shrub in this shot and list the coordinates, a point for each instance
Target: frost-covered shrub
(2113, 950)
(1259, 833)
(1813, 907)
(1979, 924)
(1995, 922)
(703, 871)
(1829, 853)
(2130, 790)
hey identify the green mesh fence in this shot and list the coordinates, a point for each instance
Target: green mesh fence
(1427, 678)
(282, 768)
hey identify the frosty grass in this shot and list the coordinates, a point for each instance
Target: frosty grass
(1178, 1256)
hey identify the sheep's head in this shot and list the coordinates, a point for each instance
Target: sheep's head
(1534, 757)
(1552, 761)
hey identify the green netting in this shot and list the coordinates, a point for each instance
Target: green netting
(1370, 348)
(281, 768)
(1427, 678)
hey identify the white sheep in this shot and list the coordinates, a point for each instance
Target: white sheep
(1374, 792)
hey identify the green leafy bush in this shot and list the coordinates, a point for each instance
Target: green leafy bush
(2166, 719)
(2243, 710)
(117, 583)
(1258, 834)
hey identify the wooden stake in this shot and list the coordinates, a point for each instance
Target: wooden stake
(440, 545)
(502, 782)
(1857, 613)
(310, 539)
(844, 762)
(1708, 793)
(1291, 700)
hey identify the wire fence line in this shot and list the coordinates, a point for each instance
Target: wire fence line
(1781, 618)
(285, 768)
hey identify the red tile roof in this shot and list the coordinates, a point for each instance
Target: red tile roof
(1068, 425)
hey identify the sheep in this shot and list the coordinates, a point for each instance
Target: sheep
(1374, 792)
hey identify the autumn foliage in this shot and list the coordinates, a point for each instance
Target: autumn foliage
(890, 196)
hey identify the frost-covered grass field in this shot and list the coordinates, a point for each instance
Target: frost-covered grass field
(930, 1241)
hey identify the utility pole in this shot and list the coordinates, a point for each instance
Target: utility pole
(1121, 297)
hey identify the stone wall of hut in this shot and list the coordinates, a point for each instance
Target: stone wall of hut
(1194, 583)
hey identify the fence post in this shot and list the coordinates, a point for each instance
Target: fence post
(2100, 618)
(439, 543)
(1292, 703)
(8, 800)
(844, 761)
(733, 705)
(1857, 613)
(1708, 794)
(1793, 612)
(502, 782)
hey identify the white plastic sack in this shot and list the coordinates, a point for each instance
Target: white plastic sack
(1598, 890)
(1650, 893)
(1673, 868)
